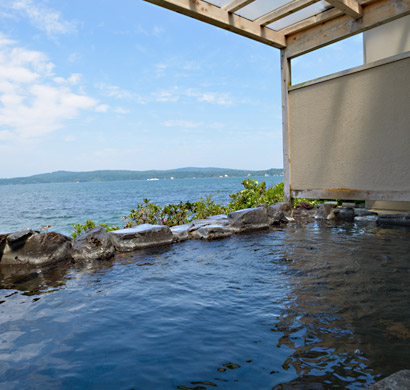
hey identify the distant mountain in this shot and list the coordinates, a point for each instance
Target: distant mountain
(108, 175)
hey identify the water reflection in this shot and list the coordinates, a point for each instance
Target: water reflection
(316, 306)
(347, 319)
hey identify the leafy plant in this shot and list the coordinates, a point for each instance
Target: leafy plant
(78, 228)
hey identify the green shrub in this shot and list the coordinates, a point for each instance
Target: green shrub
(253, 194)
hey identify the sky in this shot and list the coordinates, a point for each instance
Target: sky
(103, 84)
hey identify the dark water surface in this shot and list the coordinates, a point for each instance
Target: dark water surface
(321, 306)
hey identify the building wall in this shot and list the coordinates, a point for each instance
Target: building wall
(352, 131)
(387, 40)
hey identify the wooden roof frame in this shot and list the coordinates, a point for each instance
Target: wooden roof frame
(347, 18)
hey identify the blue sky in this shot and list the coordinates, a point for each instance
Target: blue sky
(103, 84)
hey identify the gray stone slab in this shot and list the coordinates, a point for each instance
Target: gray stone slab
(212, 232)
(181, 232)
(141, 236)
(397, 381)
(249, 219)
(95, 244)
(36, 249)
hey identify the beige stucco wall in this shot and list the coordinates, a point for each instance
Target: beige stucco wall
(352, 132)
(387, 40)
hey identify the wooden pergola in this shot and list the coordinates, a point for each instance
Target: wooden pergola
(295, 27)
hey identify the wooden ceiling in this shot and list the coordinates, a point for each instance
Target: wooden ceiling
(339, 19)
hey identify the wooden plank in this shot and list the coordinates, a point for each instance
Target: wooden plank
(349, 7)
(352, 194)
(285, 10)
(216, 16)
(285, 83)
(375, 14)
(236, 5)
(312, 21)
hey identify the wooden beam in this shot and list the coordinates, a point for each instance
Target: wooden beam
(286, 81)
(349, 7)
(236, 5)
(285, 10)
(208, 13)
(375, 14)
(312, 21)
(352, 194)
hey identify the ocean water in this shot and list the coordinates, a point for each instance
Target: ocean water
(62, 205)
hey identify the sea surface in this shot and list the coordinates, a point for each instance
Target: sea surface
(315, 306)
(62, 205)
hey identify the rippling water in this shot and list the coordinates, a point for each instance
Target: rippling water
(61, 205)
(317, 306)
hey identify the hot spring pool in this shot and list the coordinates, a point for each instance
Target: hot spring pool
(316, 306)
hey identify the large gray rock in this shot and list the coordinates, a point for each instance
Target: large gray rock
(95, 244)
(326, 211)
(141, 236)
(248, 219)
(305, 210)
(394, 219)
(276, 215)
(282, 206)
(345, 214)
(3, 240)
(29, 247)
(398, 381)
(181, 232)
(361, 212)
(212, 232)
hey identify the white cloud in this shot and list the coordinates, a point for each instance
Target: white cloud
(182, 123)
(114, 91)
(175, 94)
(33, 100)
(43, 18)
(102, 108)
(120, 110)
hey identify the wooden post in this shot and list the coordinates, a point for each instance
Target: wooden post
(286, 81)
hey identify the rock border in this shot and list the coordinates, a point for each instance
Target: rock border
(35, 248)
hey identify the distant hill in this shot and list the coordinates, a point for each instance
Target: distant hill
(122, 175)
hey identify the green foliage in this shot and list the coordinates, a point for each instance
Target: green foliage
(255, 193)
(207, 207)
(311, 201)
(78, 228)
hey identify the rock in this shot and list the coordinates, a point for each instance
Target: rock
(282, 206)
(141, 236)
(3, 241)
(17, 239)
(366, 219)
(249, 219)
(397, 381)
(95, 244)
(304, 205)
(276, 216)
(180, 232)
(326, 211)
(212, 232)
(35, 248)
(362, 212)
(394, 219)
(348, 205)
(345, 214)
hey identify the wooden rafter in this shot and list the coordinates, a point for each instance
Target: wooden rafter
(349, 7)
(312, 21)
(283, 11)
(216, 16)
(236, 5)
(374, 14)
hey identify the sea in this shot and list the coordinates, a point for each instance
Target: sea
(60, 205)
